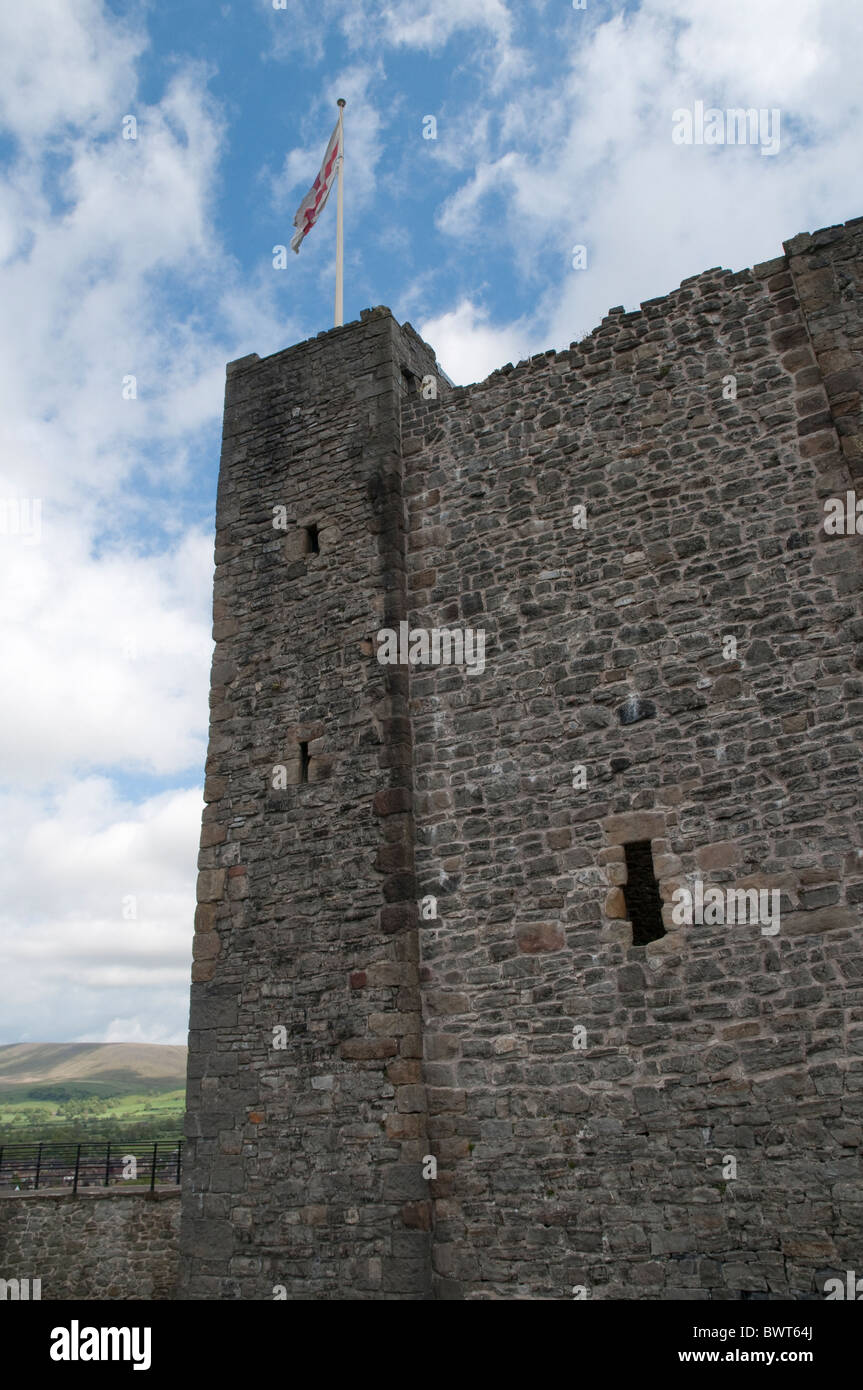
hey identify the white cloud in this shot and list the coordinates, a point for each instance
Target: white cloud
(135, 1030)
(467, 348)
(106, 620)
(589, 160)
(429, 24)
(425, 25)
(63, 66)
(106, 660)
(775, 48)
(83, 307)
(98, 902)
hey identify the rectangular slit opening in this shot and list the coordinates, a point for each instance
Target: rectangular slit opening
(304, 762)
(312, 538)
(641, 894)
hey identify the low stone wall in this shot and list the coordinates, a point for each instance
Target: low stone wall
(104, 1243)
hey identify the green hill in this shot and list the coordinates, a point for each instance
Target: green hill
(61, 1071)
(90, 1091)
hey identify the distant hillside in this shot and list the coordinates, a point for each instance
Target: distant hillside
(97, 1069)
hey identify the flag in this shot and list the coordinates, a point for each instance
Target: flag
(314, 201)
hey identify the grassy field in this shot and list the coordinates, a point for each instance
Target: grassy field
(144, 1105)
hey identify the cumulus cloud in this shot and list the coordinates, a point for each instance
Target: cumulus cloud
(587, 159)
(98, 898)
(105, 658)
(134, 1030)
(64, 67)
(105, 604)
(430, 24)
(467, 347)
(303, 26)
(84, 303)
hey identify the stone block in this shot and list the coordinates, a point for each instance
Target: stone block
(615, 904)
(368, 1049)
(823, 919)
(211, 885)
(633, 826)
(723, 854)
(536, 937)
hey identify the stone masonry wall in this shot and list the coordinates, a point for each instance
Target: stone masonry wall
(100, 1244)
(673, 1120)
(704, 1142)
(306, 1109)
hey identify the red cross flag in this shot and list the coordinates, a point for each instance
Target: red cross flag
(313, 203)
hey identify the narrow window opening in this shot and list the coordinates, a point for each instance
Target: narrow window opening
(641, 894)
(312, 537)
(304, 762)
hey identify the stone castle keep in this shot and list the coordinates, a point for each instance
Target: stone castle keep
(436, 904)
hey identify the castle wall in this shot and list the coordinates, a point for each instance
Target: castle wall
(675, 1119)
(101, 1244)
(305, 1104)
(605, 1168)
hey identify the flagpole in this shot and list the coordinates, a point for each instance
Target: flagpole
(339, 314)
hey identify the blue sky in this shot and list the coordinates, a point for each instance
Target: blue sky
(153, 258)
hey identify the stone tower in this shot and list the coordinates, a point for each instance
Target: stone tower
(541, 1080)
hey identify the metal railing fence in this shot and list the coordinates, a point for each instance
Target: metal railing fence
(26, 1167)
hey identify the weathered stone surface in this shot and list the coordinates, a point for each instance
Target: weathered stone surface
(582, 1093)
(309, 915)
(821, 920)
(540, 936)
(722, 855)
(205, 917)
(211, 885)
(638, 825)
(205, 945)
(103, 1244)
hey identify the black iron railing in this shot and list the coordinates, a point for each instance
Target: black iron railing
(26, 1167)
